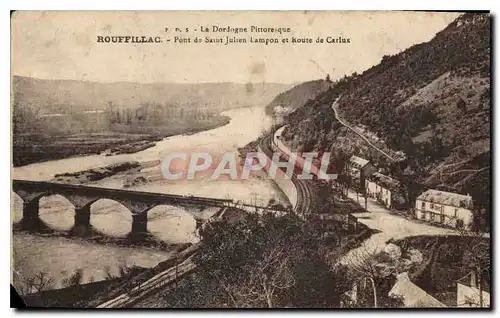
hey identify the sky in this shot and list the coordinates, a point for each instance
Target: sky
(63, 45)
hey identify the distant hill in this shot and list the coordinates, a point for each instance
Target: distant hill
(53, 96)
(431, 101)
(298, 95)
(55, 119)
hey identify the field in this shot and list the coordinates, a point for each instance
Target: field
(31, 148)
(117, 139)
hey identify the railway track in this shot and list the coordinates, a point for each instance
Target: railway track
(142, 290)
(303, 191)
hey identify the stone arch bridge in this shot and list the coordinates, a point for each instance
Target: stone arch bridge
(82, 197)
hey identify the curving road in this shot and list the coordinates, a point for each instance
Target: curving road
(345, 124)
(387, 226)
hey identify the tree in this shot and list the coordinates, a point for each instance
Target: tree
(271, 202)
(129, 117)
(34, 284)
(476, 256)
(267, 261)
(363, 266)
(344, 181)
(410, 186)
(252, 280)
(75, 279)
(357, 187)
(373, 272)
(110, 113)
(24, 117)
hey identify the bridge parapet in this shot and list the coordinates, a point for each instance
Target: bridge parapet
(82, 197)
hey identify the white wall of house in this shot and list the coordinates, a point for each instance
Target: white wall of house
(386, 196)
(374, 190)
(371, 187)
(444, 214)
(469, 296)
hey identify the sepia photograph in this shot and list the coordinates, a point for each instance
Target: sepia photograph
(251, 159)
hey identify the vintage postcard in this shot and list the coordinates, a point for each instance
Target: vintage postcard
(251, 159)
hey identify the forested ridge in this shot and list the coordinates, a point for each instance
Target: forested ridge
(431, 101)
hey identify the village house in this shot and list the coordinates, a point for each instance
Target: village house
(443, 207)
(384, 189)
(468, 290)
(359, 169)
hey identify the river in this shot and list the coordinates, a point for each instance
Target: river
(59, 257)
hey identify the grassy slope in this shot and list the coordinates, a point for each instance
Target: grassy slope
(298, 95)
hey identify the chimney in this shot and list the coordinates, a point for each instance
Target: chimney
(473, 282)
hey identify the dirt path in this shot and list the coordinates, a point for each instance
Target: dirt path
(388, 226)
(345, 124)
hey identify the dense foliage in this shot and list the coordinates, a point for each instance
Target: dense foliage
(268, 261)
(299, 94)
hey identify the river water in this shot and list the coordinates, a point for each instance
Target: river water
(59, 257)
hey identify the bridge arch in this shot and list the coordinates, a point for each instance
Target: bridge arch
(30, 197)
(134, 205)
(16, 207)
(57, 211)
(110, 217)
(171, 224)
(38, 210)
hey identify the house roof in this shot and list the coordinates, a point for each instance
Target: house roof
(358, 162)
(413, 296)
(384, 181)
(446, 198)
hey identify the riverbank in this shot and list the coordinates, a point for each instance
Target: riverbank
(92, 175)
(37, 147)
(34, 148)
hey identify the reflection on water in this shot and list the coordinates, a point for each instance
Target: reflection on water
(59, 257)
(167, 223)
(110, 217)
(57, 212)
(170, 224)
